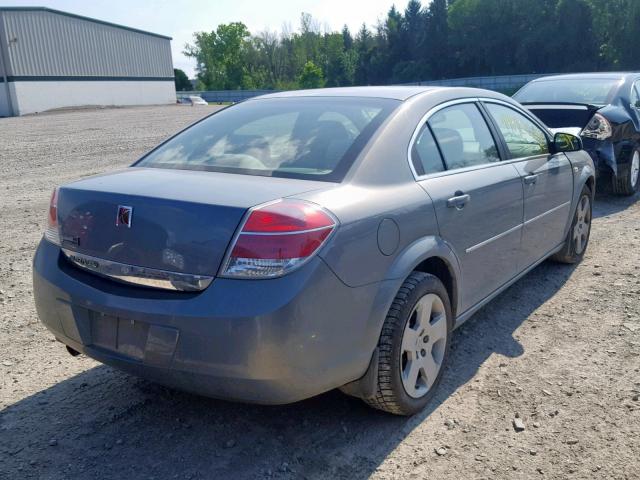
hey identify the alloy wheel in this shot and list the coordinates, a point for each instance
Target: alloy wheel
(583, 225)
(635, 168)
(423, 345)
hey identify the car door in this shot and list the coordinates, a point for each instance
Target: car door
(547, 181)
(478, 200)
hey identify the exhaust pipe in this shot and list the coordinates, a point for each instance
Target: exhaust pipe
(72, 352)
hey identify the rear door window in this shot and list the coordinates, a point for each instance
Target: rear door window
(463, 136)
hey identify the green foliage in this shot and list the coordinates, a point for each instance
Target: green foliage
(443, 39)
(220, 56)
(182, 81)
(311, 76)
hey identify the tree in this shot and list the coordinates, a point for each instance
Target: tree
(220, 56)
(363, 47)
(616, 25)
(347, 39)
(574, 44)
(444, 39)
(311, 76)
(182, 81)
(436, 46)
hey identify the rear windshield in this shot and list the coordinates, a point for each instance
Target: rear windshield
(592, 91)
(303, 137)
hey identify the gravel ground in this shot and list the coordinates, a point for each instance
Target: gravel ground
(560, 350)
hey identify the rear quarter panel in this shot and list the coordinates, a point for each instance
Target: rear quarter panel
(377, 224)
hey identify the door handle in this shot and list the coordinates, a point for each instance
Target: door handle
(530, 179)
(459, 201)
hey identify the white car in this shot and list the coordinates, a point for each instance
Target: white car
(192, 100)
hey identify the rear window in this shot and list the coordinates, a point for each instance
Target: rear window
(463, 136)
(298, 137)
(593, 91)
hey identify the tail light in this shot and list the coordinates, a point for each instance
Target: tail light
(598, 128)
(277, 238)
(52, 233)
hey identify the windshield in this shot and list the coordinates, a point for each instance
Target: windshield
(300, 137)
(592, 91)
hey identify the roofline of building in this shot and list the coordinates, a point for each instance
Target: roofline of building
(80, 17)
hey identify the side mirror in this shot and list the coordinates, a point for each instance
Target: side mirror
(636, 105)
(565, 142)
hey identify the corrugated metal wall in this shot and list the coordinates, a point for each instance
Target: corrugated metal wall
(44, 43)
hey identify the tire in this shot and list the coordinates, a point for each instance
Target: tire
(421, 293)
(577, 240)
(628, 178)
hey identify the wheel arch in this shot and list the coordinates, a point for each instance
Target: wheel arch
(440, 268)
(430, 254)
(591, 183)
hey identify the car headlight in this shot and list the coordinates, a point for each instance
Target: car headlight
(598, 128)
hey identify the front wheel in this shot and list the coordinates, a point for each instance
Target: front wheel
(413, 346)
(575, 244)
(626, 182)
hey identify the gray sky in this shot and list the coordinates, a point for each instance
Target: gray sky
(180, 19)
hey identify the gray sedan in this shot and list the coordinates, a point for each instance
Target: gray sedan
(305, 241)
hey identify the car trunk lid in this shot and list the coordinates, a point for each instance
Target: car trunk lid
(563, 115)
(179, 221)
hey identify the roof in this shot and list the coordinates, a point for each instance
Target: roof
(392, 92)
(80, 17)
(590, 75)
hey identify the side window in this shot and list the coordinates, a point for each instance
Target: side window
(523, 137)
(463, 136)
(424, 153)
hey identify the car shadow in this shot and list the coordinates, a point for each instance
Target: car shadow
(606, 203)
(105, 424)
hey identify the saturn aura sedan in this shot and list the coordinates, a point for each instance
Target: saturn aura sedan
(305, 241)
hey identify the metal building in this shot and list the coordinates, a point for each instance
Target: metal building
(51, 59)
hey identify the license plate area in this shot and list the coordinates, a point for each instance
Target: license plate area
(122, 335)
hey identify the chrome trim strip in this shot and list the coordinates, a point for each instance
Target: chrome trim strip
(492, 239)
(464, 316)
(517, 227)
(142, 276)
(538, 217)
(538, 106)
(437, 108)
(296, 232)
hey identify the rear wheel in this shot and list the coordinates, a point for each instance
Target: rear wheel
(413, 346)
(626, 182)
(575, 244)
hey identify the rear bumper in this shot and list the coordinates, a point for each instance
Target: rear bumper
(264, 341)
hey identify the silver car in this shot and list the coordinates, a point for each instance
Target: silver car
(305, 241)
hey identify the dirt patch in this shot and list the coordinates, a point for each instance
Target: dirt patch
(557, 354)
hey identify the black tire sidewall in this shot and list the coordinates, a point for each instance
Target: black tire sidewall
(622, 181)
(428, 285)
